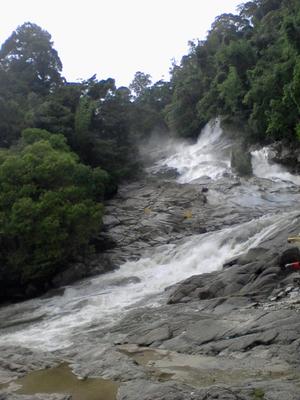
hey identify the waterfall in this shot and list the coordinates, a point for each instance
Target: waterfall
(53, 323)
(209, 156)
(263, 168)
(104, 300)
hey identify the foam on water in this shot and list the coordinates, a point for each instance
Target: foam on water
(210, 156)
(275, 172)
(102, 301)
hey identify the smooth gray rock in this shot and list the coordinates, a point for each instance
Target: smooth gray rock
(226, 315)
(155, 335)
(257, 276)
(145, 390)
(35, 397)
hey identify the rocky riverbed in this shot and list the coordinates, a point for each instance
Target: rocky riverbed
(200, 310)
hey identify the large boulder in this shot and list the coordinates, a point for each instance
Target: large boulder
(289, 256)
(241, 161)
(255, 273)
(287, 154)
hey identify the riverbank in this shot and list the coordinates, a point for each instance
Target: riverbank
(231, 346)
(200, 309)
(241, 336)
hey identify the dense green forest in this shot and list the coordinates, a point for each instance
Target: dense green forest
(65, 146)
(247, 71)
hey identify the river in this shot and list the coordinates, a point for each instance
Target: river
(61, 321)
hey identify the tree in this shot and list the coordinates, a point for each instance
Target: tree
(225, 28)
(29, 67)
(113, 146)
(140, 83)
(50, 209)
(188, 87)
(82, 139)
(29, 56)
(147, 112)
(246, 70)
(231, 92)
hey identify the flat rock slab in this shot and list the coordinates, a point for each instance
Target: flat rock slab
(35, 397)
(145, 390)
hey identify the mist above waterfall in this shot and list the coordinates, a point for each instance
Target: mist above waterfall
(210, 157)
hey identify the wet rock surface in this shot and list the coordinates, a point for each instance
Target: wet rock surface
(144, 214)
(150, 213)
(287, 154)
(156, 210)
(233, 334)
(254, 276)
(144, 390)
(153, 212)
(36, 397)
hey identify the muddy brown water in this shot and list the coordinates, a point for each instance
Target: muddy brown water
(61, 380)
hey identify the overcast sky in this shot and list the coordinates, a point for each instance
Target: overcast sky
(116, 38)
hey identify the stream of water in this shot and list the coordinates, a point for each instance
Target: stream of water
(53, 323)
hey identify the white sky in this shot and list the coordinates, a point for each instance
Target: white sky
(116, 38)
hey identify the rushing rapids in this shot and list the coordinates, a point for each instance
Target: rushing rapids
(103, 300)
(210, 156)
(65, 321)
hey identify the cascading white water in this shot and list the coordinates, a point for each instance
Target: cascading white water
(210, 156)
(102, 301)
(264, 169)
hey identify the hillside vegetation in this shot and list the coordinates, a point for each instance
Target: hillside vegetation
(247, 70)
(66, 146)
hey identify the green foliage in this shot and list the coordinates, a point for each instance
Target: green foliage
(295, 84)
(11, 121)
(231, 92)
(247, 71)
(29, 69)
(189, 86)
(83, 116)
(50, 209)
(147, 111)
(51, 115)
(100, 121)
(114, 148)
(298, 132)
(140, 83)
(28, 55)
(52, 184)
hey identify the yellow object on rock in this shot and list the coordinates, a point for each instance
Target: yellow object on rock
(187, 214)
(294, 239)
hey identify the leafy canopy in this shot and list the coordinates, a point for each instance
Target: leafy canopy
(247, 71)
(50, 208)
